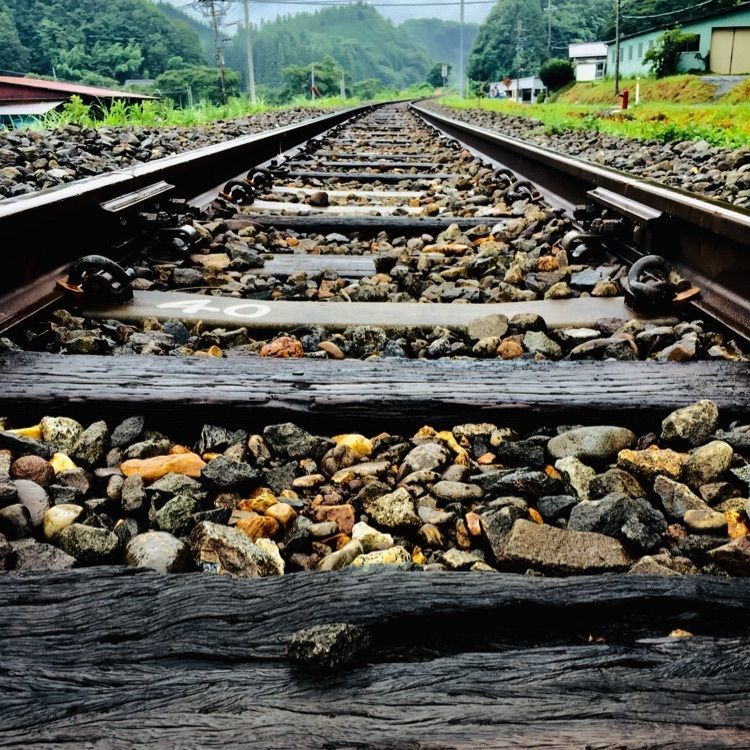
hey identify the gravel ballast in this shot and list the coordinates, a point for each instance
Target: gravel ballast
(561, 500)
(691, 165)
(33, 159)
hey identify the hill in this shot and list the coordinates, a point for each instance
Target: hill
(441, 39)
(514, 38)
(361, 41)
(87, 40)
(203, 30)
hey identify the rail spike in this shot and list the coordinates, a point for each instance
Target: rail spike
(98, 277)
(239, 192)
(653, 284)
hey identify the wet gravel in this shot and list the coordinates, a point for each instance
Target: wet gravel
(34, 159)
(692, 165)
(514, 253)
(523, 336)
(561, 500)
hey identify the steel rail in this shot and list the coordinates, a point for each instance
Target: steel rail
(45, 229)
(99, 214)
(708, 241)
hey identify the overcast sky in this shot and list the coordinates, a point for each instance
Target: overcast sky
(269, 11)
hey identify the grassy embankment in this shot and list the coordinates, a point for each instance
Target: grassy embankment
(671, 109)
(164, 113)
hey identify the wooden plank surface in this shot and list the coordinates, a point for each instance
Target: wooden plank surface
(359, 209)
(114, 658)
(334, 163)
(405, 194)
(360, 176)
(367, 226)
(347, 266)
(367, 396)
(282, 315)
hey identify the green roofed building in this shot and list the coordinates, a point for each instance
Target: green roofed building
(723, 40)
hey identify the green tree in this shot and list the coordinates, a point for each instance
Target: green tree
(298, 78)
(435, 75)
(556, 73)
(117, 39)
(198, 81)
(511, 41)
(121, 61)
(13, 55)
(664, 56)
(369, 88)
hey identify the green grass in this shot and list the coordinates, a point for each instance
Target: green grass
(681, 89)
(164, 113)
(720, 124)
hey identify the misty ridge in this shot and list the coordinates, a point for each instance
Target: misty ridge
(356, 49)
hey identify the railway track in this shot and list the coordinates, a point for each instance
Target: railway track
(375, 343)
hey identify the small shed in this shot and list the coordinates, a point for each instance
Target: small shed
(524, 89)
(23, 99)
(589, 60)
(721, 44)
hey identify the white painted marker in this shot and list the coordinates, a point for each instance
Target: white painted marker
(240, 311)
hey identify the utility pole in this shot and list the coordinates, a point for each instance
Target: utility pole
(249, 53)
(617, 46)
(518, 60)
(343, 86)
(212, 14)
(461, 73)
(549, 28)
(312, 80)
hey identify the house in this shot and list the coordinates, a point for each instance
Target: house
(722, 44)
(589, 60)
(525, 89)
(24, 99)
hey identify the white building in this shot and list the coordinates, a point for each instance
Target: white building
(525, 89)
(589, 60)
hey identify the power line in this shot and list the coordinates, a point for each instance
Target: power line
(377, 4)
(670, 12)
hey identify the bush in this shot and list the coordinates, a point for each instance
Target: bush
(556, 73)
(664, 56)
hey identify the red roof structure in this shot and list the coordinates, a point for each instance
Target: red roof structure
(19, 89)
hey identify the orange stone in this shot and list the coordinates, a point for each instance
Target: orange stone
(260, 503)
(449, 248)
(258, 527)
(486, 458)
(177, 450)
(189, 464)
(462, 535)
(282, 513)
(331, 350)
(283, 347)
(212, 351)
(509, 349)
(736, 527)
(535, 515)
(343, 515)
(473, 524)
(552, 472)
(342, 540)
(547, 263)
